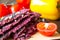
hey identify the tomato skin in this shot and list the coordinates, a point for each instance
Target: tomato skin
(9, 8)
(24, 3)
(3, 10)
(49, 31)
(15, 7)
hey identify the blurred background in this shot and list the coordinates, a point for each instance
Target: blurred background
(8, 1)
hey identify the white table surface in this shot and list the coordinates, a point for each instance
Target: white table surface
(38, 36)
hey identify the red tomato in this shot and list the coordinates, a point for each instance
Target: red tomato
(49, 31)
(24, 3)
(14, 8)
(9, 8)
(3, 10)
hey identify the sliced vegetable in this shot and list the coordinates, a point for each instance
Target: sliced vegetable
(47, 29)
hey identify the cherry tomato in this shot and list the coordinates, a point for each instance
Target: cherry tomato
(24, 3)
(14, 8)
(9, 8)
(3, 10)
(47, 31)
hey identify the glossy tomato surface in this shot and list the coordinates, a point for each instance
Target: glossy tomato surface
(14, 8)
(3, 10)
(9, 8)
(24, 3)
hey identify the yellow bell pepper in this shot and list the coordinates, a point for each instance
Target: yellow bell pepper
(47, 8)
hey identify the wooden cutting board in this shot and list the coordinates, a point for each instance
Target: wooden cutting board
(38, 36)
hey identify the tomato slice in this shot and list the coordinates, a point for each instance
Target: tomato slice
(3, 10)
(41, 26)
(47, 31)
(51, 27)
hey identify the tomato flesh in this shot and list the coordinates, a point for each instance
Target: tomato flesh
(49, 31)
(50, 27)
(41, 26)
